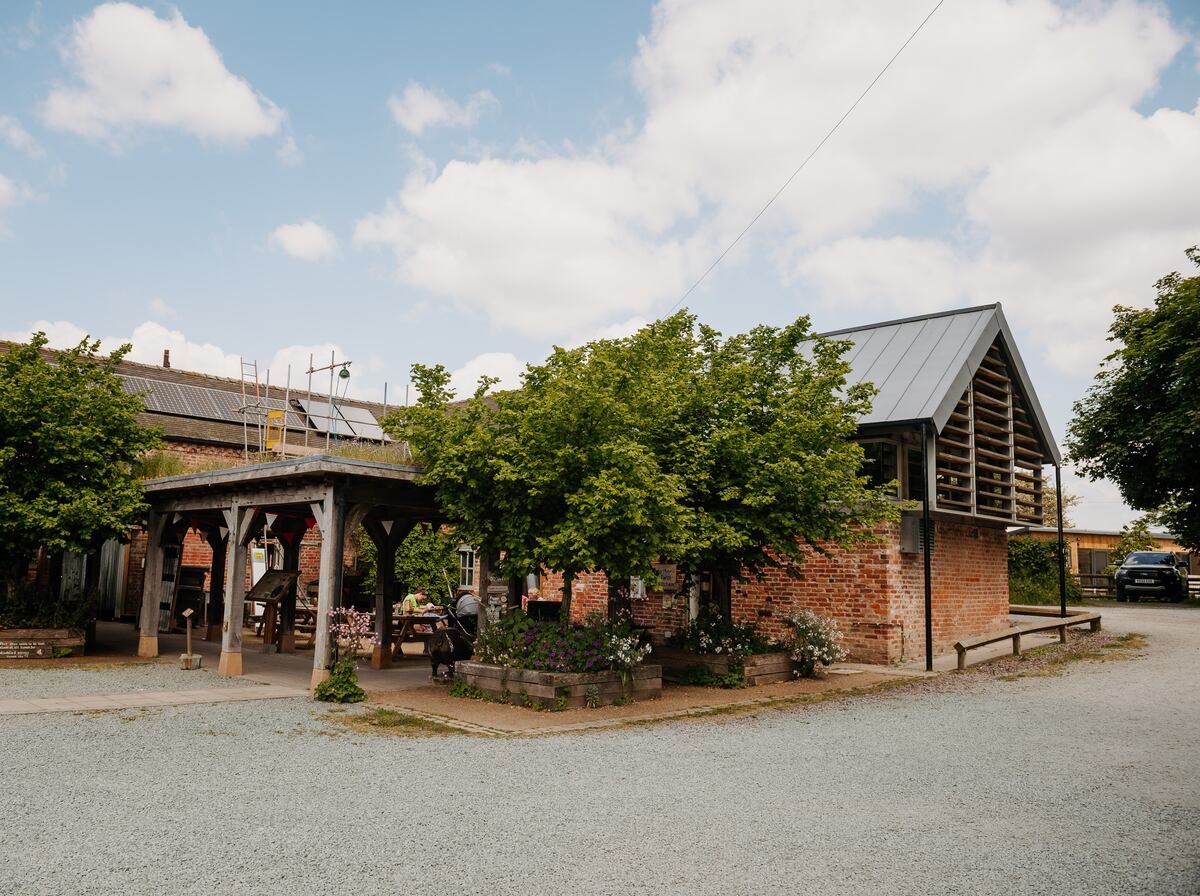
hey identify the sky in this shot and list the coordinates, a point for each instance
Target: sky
(472, 184)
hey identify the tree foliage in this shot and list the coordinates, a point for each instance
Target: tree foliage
(1139, 424)
(1135, 536)
(69, 438)
(427, 558)
(1033, 572)
(1050, 507)
(720, 453)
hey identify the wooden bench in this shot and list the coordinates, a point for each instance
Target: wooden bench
(1059, 623)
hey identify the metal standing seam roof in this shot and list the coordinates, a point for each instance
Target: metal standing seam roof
(922, 366)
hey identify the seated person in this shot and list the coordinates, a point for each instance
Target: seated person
(417, 604)
(467, 611)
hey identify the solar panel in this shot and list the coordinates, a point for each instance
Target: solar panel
(366, 426)
(324, 419)
(183, 400)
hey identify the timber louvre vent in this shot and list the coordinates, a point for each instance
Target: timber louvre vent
(989, 457)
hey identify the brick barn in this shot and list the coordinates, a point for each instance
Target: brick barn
(955, 419)
(953, 392)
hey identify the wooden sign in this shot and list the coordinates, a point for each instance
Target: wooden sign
(39, 643)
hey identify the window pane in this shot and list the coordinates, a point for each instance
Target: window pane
(466, 568)
(879, 462)
(916, 477)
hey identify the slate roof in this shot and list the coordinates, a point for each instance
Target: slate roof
(922, 365)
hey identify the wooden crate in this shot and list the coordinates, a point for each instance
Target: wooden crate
(759, 668)
(527, 686)
(39, 643)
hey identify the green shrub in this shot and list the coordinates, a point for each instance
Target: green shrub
(1033, 573)
(813, 639)
(342, 684)
(25, 608)
(700, 675)
(710, 632)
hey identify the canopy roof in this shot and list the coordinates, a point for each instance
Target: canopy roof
(922, 366)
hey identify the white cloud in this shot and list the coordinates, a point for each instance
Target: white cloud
(161, 309)
(1020, 118)
(289, 153)
(421, 108)
(12, 133)
(13, 192)
(308, 241)
(137, 70)
(499, 68)
(507, 367)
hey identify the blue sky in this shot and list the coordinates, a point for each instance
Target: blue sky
(470, 184)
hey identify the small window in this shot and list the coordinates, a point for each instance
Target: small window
(466, 567)
(879, 462)
(916, 476)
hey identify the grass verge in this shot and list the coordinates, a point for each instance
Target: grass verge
(1053, 660)
(397, 724)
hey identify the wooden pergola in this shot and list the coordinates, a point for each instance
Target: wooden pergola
(231, 508)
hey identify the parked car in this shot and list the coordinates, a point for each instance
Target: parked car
(1153, 574)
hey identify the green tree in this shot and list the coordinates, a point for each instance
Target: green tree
(1050, 507)
(427, 558)
(723, 454)
(69, 439)
(1135, 536)
(1139, 424)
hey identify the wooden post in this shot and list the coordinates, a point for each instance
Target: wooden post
(485, 579)
(387, 537)
(151, 586)
(330, 518)
(240, 521)
(291, 536)
(1017, 644)
(216, 583)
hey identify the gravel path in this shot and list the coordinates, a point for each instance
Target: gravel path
(1085, 783)
(115, 679)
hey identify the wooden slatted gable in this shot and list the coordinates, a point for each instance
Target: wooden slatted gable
(989, 456)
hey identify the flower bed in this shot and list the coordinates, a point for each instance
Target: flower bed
(560, 690)
(758, 668)
(556, 665)
(40, 643)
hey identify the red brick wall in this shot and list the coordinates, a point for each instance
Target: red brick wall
(876, 593)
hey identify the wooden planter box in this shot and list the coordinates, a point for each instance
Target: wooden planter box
(760, 668)
(39, 643)
(527, 686)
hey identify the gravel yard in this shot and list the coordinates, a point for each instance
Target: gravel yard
(1087, 782)
(112, 679)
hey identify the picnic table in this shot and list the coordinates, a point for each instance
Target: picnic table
(405, 629)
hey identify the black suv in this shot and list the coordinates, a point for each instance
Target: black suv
(1152, 573)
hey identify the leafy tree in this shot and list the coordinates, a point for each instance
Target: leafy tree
(723, 454)
(69, 438)
(1135, 536)
(1050, 507)
(1139, 424)
(427, 558)
(1033, 572)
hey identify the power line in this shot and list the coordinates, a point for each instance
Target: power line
(807, 159)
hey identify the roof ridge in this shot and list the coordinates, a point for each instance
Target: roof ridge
(907, 320)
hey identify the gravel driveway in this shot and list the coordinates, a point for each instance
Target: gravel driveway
(1086, 783)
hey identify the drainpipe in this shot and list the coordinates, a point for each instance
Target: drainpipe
(925, 540)
(1062, 551)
